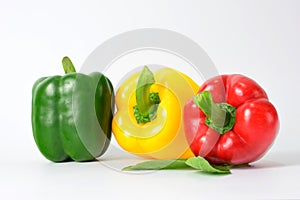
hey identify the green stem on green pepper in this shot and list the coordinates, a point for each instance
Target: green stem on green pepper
(68, 65)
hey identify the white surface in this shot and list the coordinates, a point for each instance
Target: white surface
(275, 177)
(256, 38)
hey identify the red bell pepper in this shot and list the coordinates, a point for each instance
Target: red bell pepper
(230, 120)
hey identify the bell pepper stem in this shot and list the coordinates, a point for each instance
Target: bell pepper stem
(145, 81)
(220, 117)
(68, 65)
(147, 102)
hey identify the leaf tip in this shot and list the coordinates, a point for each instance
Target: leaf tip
(128, 168)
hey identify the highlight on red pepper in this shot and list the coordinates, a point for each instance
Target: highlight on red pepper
(230, 121)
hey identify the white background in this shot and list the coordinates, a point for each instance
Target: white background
(256, 38)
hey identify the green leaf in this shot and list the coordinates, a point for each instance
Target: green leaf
(203, 165)
(199, 163)
(158, 164)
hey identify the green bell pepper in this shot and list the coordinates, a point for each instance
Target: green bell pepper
(72, 114)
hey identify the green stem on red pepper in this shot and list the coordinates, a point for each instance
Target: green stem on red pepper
(220, 117)
(147, 102)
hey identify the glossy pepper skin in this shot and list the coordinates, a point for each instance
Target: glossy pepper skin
(255, 121)
(163, 137)
(71, 115)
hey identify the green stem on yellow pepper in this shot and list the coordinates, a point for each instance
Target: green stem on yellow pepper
(220, 117)
(147, 102)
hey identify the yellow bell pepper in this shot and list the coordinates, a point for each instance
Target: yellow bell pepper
(149, 118)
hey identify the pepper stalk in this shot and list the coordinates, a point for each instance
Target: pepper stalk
(147, 102)
(220, 117)
(68, 65)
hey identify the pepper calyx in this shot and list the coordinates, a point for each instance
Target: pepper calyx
(147, 102)
(219, 116)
